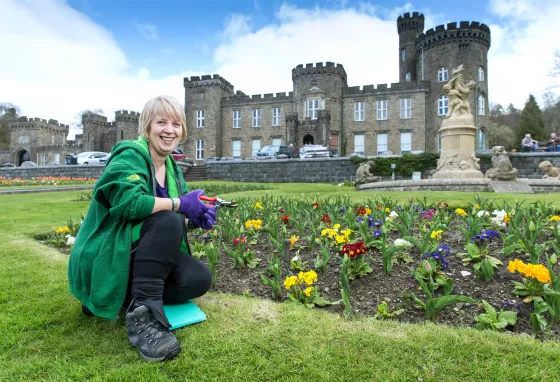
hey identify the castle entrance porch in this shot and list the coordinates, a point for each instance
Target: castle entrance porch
(22, 156)
(308, 139)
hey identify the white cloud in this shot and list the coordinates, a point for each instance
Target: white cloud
(60, 63)
(521, 55)
(149, 31)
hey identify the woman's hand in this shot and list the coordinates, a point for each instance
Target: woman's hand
(191, 206)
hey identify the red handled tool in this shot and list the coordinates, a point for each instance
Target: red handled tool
(218, 202)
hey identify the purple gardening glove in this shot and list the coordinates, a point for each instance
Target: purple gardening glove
(191, 206)
(207, 220)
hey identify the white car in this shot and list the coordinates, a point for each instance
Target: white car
(90, 157)
(314, 151)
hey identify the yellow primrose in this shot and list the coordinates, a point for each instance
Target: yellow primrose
(308, 277)
(290, 281)
(340, 239)
(387, 210)
(258, 205)
(477, 206)
(436, 234)
(346, 232)
(255, 224)
(368, 211)
(336, 226)
(555, 218)
(461, 212)
(308, 291)
(293, 239)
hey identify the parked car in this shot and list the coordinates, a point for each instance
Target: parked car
(271, 151)
(314, 151)
(104, 159)
(178, 154)
(90, 157)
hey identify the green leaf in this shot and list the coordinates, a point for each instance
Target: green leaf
(487, 269)
(473, 250)
(489, 309)
(445, 301)
(320, 301)
(509, 317)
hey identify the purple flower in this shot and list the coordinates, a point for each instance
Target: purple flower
(439, 257)
(428, 214)
(281, 210)
(342, 209)
(443, 249)
(507, 304)
(485, 235)
(377, 233)
(359, 220)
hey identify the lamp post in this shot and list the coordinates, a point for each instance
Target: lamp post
(393, 167)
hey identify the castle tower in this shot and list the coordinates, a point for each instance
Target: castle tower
(126, 125)
(409, 28)
(94, 126)
(203, 108)
(438, 52)
(320, 85)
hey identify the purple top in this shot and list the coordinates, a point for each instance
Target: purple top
(161, 192)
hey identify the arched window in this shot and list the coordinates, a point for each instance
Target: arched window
(407, 77)
(443, 105)
(481, 105)
(403, 54)
(442, 74)
(480, 74)
(481, 139)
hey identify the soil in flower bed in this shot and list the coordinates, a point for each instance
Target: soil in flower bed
(368, 292)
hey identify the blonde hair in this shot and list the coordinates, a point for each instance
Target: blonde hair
(163, 106)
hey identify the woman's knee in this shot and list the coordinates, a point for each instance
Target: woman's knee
(167, 222)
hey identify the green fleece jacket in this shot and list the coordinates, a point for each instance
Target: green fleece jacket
(98, 268)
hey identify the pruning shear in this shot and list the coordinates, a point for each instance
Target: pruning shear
(218, 202)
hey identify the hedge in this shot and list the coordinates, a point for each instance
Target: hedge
(406, 164)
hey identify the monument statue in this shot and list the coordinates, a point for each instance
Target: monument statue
(458, 91)
(551, 172)
(457, 132)
(364, 175)
(501, 166)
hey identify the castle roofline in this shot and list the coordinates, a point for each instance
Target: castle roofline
(465, 32)
(319, 68)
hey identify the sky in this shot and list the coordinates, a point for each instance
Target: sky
(61, 57)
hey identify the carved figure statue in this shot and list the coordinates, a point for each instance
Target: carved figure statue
(501, 166)
(457, 89)
(457, 161)
(364, 175)
(551, 172)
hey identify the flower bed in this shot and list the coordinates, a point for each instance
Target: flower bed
(487, 264)
(45, 181)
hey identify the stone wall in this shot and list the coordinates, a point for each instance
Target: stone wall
(283, 170)
(92, 171)
(527, 164)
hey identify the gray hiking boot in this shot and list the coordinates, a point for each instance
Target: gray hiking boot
(153, 341)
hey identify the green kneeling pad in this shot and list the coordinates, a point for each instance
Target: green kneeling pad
(180, 315)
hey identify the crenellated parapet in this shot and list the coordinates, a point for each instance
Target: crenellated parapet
(127, 116)
(319, 68)
(465, 32)
(241, 98)
(380, 89)
(291, 117)
(94, 119)
(51, 125)
(414, 22)
(208, 80)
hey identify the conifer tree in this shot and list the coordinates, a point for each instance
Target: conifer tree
(531, 121)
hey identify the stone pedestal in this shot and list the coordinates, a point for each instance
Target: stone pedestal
(457, 159)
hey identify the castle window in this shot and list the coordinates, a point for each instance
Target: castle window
(442, 75)
(403, 54)
(407, 77)
(382, 143)
(276, 141)
(256, 117)
(255, 147)
(24, 139)
(406, 108)
(359, 144)
(43, 159)
(359, 111)
(481, 105)
(406, 142)
(236, 148)
(313, 108)
(480, 74)
(199, 149)
(236, 119)
(57, 158)
(443, 105)
(275, 116)
(334, 143)
(481, 139)
(122, 135)
(464, 48)
(200, 118)
(382, 110)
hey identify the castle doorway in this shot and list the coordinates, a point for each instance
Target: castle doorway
(308, 139)
(22, 156)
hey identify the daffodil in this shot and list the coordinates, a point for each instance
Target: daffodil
(258, 205)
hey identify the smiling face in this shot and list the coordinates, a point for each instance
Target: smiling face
(164, 135)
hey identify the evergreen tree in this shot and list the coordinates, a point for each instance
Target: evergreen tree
(531, 121)
(8, 113)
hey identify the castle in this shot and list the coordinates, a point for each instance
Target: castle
(322, 108)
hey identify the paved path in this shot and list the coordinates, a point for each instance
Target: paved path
(9, 191)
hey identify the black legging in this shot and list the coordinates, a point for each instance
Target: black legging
(159, 272)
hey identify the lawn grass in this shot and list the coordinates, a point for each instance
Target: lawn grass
(45, 336)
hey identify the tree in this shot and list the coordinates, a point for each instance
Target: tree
(531, 121)
(79, 128)
(502, 135)
(8, 113)
(551, 113)
(555, 72)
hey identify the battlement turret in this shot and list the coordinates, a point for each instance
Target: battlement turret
(408, 22)
(319, 68)
(242, 98)
(208, 80)
(94, 119)
(465, 33)
(126, 116)
(382, 89)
